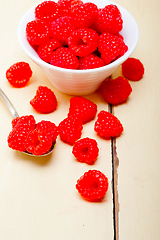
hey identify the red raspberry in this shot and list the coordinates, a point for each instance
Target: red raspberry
(64, 58)
(116, 91)
(109, 20)
(70, 129)
(44, 101)
(83, 41)
(62, 28)
(21, 126)
(37, 32)
(49, 128)
(133, 69)
(108, 125)
(83, 108)
(66, 5)
(16, 139)
(86, 150)
(26, 122)
(15, 121)
(19, 74)
(37, 142)
(93, 185)
(119, 35)
(84, 14)
(45, 49)
(91, 61)
(111, 47)
(47, 11)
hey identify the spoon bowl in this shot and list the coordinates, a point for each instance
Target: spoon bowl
(15, 115)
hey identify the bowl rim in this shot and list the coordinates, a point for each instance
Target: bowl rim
(39, 61)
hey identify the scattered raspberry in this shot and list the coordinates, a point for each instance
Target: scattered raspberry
(91, 61)
(21, 126)
(37, 32)
(116, 91)
(109, 20)
(83, 41)
(62, 28)
(107, 125)
(86, 150)
(19, 74)
(37, 142)
(49, 128)
(64, 58)
(93, 185)
(83, 108)
(44, 101)
(84, 14)
(66, 5)
(111, 47)
(133, 69)
(47, 11)
(45, 49)
(70, 129)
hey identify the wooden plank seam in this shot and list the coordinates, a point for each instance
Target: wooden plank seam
(115, 164)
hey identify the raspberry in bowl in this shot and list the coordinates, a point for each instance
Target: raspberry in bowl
(81, 49)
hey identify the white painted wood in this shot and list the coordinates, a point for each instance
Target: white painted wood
(138, 148)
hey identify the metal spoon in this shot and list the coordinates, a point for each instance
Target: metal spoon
(15, 114)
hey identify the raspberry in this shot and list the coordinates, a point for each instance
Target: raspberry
(21, 126)
(83, 108)
(19, 74)
(26, 122)
(44, 101)
(66, 5)
(47, 11)
(37, 32)
(108, 125)
(133, 69)
(62, 28)
(109, 20)
(64, 58)
(16, 139)
(91, 61)
(84, 14)
(111, 47)
(70, 129)
(15, 121)
(93, 185)
(86, 150)
(49, 128)
(116, 91)
(83, 41)
(45, 49)
(37, 142)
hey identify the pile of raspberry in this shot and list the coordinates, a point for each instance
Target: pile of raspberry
(75, 35)
(27, 136)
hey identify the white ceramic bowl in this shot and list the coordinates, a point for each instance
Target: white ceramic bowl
(80, 82)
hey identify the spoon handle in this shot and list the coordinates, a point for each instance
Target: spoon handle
(9, 104)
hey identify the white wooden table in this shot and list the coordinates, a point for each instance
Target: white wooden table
(38, 199)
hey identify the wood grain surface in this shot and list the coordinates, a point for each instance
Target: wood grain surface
(138, 148)
(38, 199)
